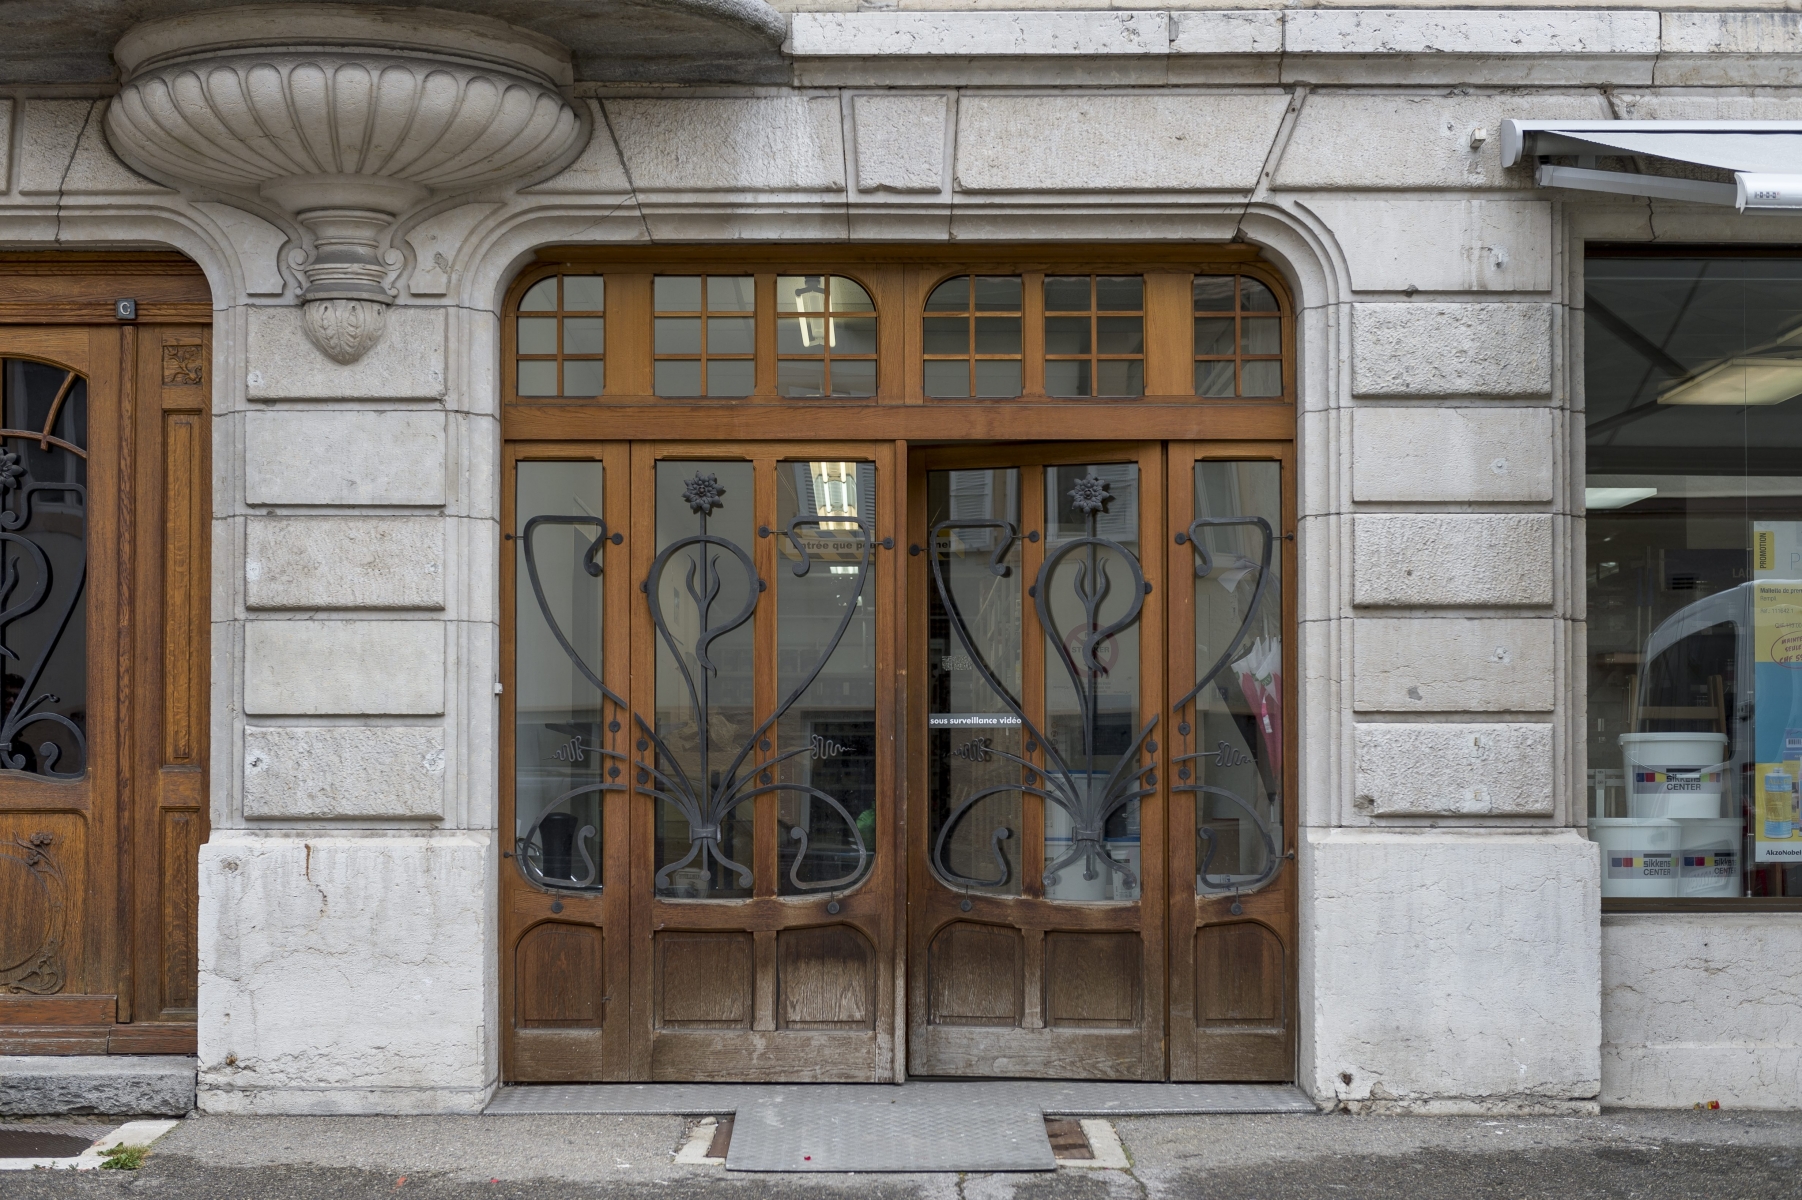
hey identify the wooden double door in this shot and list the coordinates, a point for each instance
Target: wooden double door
(103, 651)
(851, 760)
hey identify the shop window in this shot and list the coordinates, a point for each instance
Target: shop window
(1094, 335)
(561, 337)
(1238, 337)
(1693, 378)
(971, 334)
(705, 335)
(825, 337)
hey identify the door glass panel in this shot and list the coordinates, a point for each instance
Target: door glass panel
(568, 727)
(700, 762)
(1230, 724)
(826, 674)
(974, 729)
(43, 543)
(1089, 595)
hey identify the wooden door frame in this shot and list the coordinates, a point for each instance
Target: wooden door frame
(148, 590)
(1241, 1056)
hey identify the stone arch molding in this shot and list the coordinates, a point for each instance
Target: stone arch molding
(348, 122)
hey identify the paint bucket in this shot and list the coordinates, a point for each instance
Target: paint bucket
(1708, 856)
(1674, 774)
(1639, 854)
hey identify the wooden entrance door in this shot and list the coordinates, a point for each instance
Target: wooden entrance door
(703, 795)
(1037, 805)
(103, 646)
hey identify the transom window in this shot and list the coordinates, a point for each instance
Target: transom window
(761, 330)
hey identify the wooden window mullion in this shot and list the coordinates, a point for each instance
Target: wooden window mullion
(1032, 334)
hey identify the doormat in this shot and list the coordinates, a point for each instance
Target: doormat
(976, 1125)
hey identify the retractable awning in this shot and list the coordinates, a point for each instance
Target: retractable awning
(1764, 156)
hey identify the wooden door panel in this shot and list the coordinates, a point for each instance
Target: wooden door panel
(1093, 980)
(704, 981)
(563, 977)
(976, 975)
(827, 977)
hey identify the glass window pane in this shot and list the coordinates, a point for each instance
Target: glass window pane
(948, 379)
(1119, 293)
(570, 743)
(1214, 378)
(1214, 293)
(800, 377)
(731, 377)
(997, 335)
(1263, 335)
(584, 335)
(848, 295)
(584, 293)
(538, 335)
(731, 335)
(540, 297)
(584, 377)
(854, 335)
(1120, 377)
(969, 727)
(1255, 297)
(997, 377)
(678, 335)
(953, 295)
(853, 377)
(678, 377)
(731, 293)
(1067, 335)
(676, 293)
(1091, 698)
(1229, 733)
(998, 293)
(538, 378)
(1213, 335)
(800, 335)
(800, 293)
(1262, 378)
(1120, 335)
(1066, 293)
(947, 335)
(704, 718)
(1067, 378)
(826, 620)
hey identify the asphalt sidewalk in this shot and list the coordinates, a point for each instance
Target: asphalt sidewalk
(1666, 1155)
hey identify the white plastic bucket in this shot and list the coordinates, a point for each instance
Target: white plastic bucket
(1674, 774)
(1708, 856)
(1639, 854)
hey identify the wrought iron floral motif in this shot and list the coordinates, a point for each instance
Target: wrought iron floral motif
(707, 799)
(1089, 804)
(1188, 725)
(530, 849)
(21, 493)
(39, 971)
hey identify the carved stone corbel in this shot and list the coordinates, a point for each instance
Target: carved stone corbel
(349, 120)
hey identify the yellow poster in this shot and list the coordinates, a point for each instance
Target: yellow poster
(1777, 632)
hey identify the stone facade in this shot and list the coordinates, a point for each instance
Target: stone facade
(1453, 956)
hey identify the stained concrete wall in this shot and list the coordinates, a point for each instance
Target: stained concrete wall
(1452, 956)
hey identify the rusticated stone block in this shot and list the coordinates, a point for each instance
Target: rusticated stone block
(1452, 664)
(1452, 454)
(1419, 770)
(1452, 349)
(344, 771)
(1445, 559)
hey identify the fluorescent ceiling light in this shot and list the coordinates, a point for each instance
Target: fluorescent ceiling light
(1748, 380)
(1616, 497)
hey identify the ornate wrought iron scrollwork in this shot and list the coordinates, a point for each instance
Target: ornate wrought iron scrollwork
(704, 801)
(1189, 725)
(1088, 804)
(558, 823)
(21, 494)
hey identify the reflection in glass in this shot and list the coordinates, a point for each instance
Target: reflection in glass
(826, 609)
(1230, 725)
(703, 589)
(973, 739)
(976, 374)
(568, 730)
(1089, 596)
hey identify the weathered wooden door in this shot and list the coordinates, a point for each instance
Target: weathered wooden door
(1037, 806)
(103, 647)
(704, 747)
